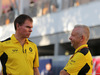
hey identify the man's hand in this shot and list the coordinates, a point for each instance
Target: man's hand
(63, 72)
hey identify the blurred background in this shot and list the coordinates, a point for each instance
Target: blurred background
(53, 21)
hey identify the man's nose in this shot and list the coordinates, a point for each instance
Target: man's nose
(70, 38)
(30, 30)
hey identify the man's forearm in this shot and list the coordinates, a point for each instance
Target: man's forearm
(36, 71)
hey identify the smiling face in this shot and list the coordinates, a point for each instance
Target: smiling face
(25, 30)
(75, 38)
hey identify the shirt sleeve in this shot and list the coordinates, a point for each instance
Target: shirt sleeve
(36, 61)
(76, 63)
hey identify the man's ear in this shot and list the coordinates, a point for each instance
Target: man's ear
(17, 25)
(82, 38)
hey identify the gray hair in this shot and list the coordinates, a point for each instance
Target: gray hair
(84, 30)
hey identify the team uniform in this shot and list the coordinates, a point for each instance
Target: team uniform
(18, 60)
(80, 63)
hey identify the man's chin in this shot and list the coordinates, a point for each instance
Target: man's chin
(27, 36)
(72, 45)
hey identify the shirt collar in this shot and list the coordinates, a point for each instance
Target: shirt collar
(16, 41)
(27, 41)
(82, 46)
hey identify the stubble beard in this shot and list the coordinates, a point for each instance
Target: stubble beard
(71, 44)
